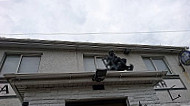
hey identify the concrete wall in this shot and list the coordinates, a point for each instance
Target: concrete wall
(58, 62)
(10, 102)
(65, 61)
(58, 96)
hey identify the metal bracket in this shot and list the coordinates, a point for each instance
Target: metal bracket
(100, 75)
(181, 65)
(173, 98)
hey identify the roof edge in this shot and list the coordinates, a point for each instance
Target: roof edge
(20, 82)
(82, 75)
(34, 43)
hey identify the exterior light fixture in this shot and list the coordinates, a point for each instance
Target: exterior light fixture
(184, 57)
(126, 51)
(100, 75)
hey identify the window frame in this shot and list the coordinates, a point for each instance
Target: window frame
(170, 76)
(94, 56)
(95, 61)
(151, 58)
(21, 55)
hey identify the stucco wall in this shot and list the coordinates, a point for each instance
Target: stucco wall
(64, 61)
(10, 102)
(58, 62)
(58, 96)
(52, 61)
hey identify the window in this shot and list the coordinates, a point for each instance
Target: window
(170, 81)
(19, 63)
(156, 64)
(91, 63)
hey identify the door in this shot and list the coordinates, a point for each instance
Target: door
(100, 102)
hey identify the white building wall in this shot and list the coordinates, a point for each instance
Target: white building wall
(10, 102)
(58, 96)
(58, 62)
(62, 61)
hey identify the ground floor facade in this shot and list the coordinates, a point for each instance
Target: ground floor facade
(78, 89)
(69, 96)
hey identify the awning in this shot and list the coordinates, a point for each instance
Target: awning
(20, 82)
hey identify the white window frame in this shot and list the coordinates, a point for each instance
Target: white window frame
(170, 76)
(21, 55)
(151, 58)
(94, 58)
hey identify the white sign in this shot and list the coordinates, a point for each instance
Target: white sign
(6, 90)
(170, 83)
(185, 57)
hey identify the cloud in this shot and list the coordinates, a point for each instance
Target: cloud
(78, 16)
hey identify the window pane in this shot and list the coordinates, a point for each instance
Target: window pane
(100, 63)
(29, 65)
(149, 64)
(89, 65)
(161, 66)
(10, 65)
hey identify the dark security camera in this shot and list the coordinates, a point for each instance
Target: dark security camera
(126, 51)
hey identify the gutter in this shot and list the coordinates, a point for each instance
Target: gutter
(21, 82)
(47, 44)
(83, 75)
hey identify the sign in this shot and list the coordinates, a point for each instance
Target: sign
(185, 57)
(6, 90)
(170, 83)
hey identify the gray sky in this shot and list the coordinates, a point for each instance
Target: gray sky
(97, 16)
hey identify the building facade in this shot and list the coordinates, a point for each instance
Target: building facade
(59, 73)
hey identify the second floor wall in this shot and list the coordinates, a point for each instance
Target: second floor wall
(76, 61)
(72, 61)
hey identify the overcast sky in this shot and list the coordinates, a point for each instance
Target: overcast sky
(97, 16)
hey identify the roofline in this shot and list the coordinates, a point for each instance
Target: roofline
(54, 44)
(82, 75)
(20, 82)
